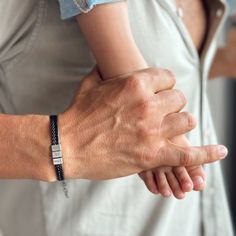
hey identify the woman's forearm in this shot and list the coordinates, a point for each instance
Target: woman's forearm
(24, 145)
(109, 36)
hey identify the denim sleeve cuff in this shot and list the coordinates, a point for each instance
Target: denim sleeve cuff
(70, 8)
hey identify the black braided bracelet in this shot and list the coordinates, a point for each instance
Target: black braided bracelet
(56, 149)
(57, 152)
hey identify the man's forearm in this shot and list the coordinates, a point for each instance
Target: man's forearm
(24, 147)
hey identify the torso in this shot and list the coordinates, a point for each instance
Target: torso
(195, 19)
(48, 73)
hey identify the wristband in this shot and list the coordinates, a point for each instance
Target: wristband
(56, 152)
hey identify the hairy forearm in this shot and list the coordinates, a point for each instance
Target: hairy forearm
(109, 36)
(24, 147)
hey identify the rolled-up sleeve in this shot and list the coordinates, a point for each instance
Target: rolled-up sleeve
(70, 8)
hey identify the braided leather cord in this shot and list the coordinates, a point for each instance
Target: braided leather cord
(55, 140)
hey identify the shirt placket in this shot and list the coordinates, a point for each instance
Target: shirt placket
(210, 214)
(217, 9)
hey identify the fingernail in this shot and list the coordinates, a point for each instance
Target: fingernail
(180, 195)
(222, 151)
(198, 180)
(167, 193)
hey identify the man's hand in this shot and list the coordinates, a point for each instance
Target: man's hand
(123, 126)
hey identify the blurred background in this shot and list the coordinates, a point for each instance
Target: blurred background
(222, 93)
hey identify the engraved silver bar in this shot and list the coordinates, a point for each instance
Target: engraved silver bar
(56, 147)
(58, 161)
(57, 154)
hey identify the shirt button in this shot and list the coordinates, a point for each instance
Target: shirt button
(219, 12)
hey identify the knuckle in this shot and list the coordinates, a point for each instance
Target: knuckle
(185, 158)
(206, 155)
(161, 101)
(146, 108)
(134, 83)
(190, 120)
(180, 171)
(152, 71)
(144, 75)
(167, 121)
(171, 76)
(180, 97)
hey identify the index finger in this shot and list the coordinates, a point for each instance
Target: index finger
(157, 79)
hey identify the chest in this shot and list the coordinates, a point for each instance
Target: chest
(195, 19)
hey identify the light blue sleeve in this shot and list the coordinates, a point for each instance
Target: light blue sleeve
(70, 8)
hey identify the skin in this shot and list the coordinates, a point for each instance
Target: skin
(129, 134)
(195, 20)
(89, 131)
(108, 33)
(25, 139)
(225, 59)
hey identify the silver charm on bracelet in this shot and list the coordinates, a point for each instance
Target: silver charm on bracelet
(57, 154)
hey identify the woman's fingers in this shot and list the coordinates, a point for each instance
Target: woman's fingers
(183, 178)
(198, 176)
(175, 185)
(149, 180)
(162, 183)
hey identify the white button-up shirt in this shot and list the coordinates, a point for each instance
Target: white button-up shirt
(41, 61)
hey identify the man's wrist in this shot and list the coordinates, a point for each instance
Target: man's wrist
(39, 141)
(70, 144)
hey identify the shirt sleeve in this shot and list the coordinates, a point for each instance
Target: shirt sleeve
(70, 8)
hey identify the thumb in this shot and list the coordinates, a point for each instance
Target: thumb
(175, 155)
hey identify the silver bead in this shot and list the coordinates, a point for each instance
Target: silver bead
(57, 161)
(56, 147)
(56, 154)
